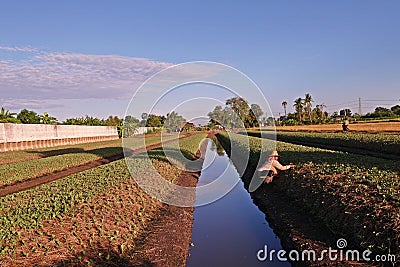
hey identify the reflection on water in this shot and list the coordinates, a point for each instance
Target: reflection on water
(216, 146)
(230, 231)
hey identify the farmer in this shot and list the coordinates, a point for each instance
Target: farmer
(271, 166)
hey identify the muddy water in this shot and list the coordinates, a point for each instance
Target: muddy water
(231, 230)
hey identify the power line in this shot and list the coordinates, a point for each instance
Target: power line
(382, 100)
(340, 104)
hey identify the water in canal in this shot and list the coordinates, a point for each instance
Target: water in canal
(231, 230)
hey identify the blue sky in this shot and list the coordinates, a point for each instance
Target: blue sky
(73, 58)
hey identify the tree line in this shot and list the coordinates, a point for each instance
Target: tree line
(306, 113)
(26, 116)
(236, 113)
(171, 122)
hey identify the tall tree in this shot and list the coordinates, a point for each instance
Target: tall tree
(47, 119)
(153, 121)
(28, 116)
(241, 108)
(284, 104)
(322, 107)
(308, 105)
(345, 112)
(395, 109)
(298, 106)
(130, 125)
(257, 111)
(7, 116)
(255, 114)
(173, 122)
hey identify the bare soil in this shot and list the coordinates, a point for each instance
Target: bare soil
(170, 234)
(364, 127)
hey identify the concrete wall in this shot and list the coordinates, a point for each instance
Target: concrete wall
(26, 136)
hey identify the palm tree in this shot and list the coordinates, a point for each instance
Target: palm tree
(284, 104)
(47, 119)
(298, 106)
(321, 107)
(308, 105)
(5, 114)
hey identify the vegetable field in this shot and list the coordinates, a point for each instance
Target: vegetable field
(93, 217)
(25, 170)
(355, 196)
(23, 155)
(382, 143)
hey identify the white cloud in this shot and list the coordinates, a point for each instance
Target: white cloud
(18, 104)
(18, 49)
(44, 75)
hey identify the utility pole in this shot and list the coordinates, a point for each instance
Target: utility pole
(359, 106)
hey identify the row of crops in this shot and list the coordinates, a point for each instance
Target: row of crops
(75, 215)
(357, 197)
(24, 170)
(30, 154)
(382, 143)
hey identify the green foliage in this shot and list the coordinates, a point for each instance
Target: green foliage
(241, 108)
(299, 106)
(130, 125)
(19, 171)
(225, 117)
(28, 116)
(154, 121)
(396, 110)
(236, 114)
(11, 173)
(47, 119)
(345, 112)
(173, 122)
(23, 155)
(7, 116)
(87, 120)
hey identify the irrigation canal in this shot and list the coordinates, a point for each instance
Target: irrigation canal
(231, 230)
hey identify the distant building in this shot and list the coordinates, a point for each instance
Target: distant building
(187, 126)
(218, 127)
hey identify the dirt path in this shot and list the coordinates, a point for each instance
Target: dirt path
(169, 236)
(47, 178)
